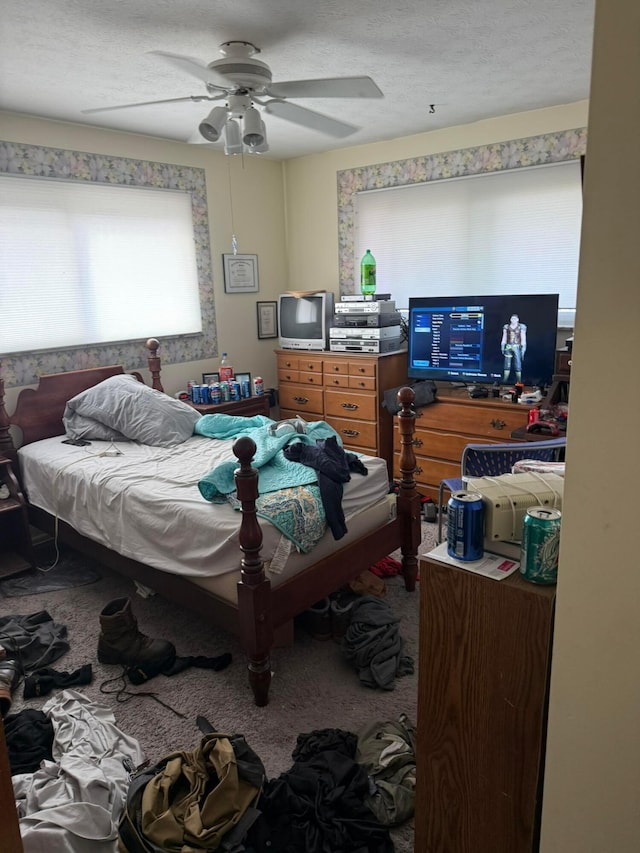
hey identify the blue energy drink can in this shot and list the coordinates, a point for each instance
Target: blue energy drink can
(465, 526)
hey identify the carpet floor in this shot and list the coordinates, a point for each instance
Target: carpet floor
(313, 685)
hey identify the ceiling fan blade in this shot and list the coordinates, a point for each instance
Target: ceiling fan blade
(194, 98)
(309, 118)
(329, 87)
(196, 68)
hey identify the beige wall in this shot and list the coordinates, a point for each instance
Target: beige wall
(592, 781)
(256, 186)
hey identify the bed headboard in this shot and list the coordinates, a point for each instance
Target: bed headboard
(39, 411)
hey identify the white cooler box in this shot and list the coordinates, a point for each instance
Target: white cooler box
(507, 498)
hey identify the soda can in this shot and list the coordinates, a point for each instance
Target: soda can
(214, 393)
(540, 545)
(465, 526)
(534, 415)
(225, 392)
(245, 388)
(258, 386)
(234, 387)
(204, 394)
(195, 392)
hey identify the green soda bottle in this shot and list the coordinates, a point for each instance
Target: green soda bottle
(368, 274)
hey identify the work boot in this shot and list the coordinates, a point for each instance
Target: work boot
(121, 642)
(10, 672)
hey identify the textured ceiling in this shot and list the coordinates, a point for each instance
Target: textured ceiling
(472, 59)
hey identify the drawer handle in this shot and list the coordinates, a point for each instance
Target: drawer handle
(361, 370)
(310, 366)
(417, 442)
(350, 432)
(288, 376)
(336, 381)
(302, 400)
(418, 470)
(362, 384)
(496, 423)
(335, 368)
(350, 407)
(288, 364)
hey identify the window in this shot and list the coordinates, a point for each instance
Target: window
(512, 231)
(41, 165)
(89, 263)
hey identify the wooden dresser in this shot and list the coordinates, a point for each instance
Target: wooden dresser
(446, 426)
(346, 390)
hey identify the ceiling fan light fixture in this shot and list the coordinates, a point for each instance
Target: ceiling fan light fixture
(211, 126)
(232, 138)
(254, 129)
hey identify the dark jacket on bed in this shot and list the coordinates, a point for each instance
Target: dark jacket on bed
(334, 466)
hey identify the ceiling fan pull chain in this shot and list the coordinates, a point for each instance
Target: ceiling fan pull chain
(234, 244)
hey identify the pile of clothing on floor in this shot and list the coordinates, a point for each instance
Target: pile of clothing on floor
(81, 785)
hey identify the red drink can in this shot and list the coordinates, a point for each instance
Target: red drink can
(534, 415)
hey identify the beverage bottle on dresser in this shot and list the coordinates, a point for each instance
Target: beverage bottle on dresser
(226, 371)
(368, 274)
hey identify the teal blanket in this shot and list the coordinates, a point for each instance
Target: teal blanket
(276, 471)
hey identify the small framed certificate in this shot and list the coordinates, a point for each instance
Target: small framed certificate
(240, 273)
(267, 319)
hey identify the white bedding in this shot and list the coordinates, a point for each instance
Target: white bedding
(145, 504)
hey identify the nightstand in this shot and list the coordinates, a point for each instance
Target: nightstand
(247, 407)
(16, 549)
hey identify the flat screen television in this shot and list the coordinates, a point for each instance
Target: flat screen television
(304, 321)
(483, 339)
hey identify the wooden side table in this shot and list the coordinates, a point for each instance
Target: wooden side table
(247, 407)
(485, 651)
(16, 549)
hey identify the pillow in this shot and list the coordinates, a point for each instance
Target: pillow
(121, 407)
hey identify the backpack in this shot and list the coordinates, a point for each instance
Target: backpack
(202, 799)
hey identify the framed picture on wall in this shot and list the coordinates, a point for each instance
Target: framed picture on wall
(267, 319)
(240, 273)
(208, 378)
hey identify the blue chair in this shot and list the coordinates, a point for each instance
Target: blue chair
(491, 460)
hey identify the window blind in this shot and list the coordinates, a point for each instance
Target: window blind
(509, 232)
(86, 263)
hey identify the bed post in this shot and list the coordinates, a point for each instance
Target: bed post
(154, 364)
(7, 449)
(408, 497)
(254, 589)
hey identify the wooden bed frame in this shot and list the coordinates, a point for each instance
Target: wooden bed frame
(261, 611)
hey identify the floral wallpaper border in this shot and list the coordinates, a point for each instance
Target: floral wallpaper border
(515, 154)
(39, 161)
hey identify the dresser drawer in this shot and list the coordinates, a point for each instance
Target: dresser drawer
(288, 362)
(429, 472)
(481, 421)
(310, 364)
(307, 378)
(361, 433)
(357, 368)
(301, 399)
(350, 404)
(366, 383)
(332, 366)
(286, 374)
(337, 380)
(441, 445)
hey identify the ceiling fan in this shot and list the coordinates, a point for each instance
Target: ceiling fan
(242, 81)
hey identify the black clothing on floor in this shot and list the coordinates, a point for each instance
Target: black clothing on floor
(319, 804)
(29, 737)
(43, 681)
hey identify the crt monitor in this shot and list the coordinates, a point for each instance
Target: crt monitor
(483, 339)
